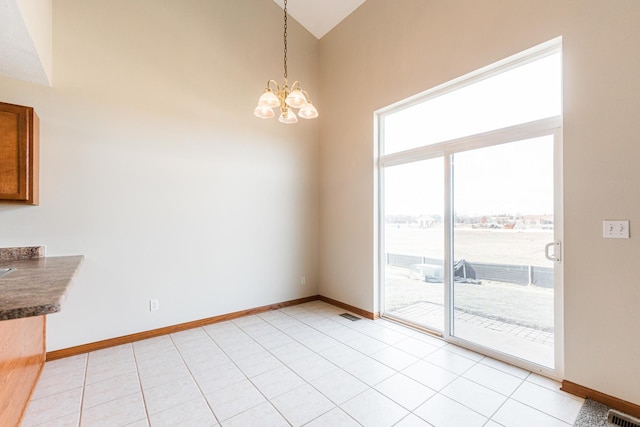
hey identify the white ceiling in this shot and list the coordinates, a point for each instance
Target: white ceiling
(19, 58)
(320, 16)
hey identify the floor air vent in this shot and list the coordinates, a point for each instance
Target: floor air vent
(623, 420)
(354, 318)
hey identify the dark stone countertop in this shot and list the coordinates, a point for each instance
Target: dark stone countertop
(37, 286)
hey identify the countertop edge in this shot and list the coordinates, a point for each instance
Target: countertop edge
(58, 293)
(20, 313)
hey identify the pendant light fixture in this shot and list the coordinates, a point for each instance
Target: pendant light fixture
(284, 97)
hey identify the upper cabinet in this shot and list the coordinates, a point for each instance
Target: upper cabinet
(19, 162)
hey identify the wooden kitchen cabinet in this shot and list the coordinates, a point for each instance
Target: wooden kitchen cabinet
(19, 150)
(21, 361)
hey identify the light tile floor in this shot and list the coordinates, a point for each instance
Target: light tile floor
(301, 365)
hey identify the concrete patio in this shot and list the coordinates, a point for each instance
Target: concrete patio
(513, 319)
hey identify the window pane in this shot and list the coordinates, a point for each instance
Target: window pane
(414, 242)
(526, 93)
(503, 219)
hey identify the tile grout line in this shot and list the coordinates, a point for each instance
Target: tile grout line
(84, 385)
(144, 402)
(458, 375)
(536, 409)
(303, 379)
(336, 406)
(439, 392)
(286, 365)
(508, 397)
(369, 387)
(193, 378)
(78, 413)
(243, 373)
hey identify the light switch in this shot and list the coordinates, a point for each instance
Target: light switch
(615, 229)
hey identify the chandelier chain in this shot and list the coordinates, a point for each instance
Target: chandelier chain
(285, 40)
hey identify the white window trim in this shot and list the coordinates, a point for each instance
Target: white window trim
(538, 128)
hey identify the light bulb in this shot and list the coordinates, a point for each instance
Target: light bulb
(263, 112)
(296, 99)
(268, 99)
(288, 117)
(308, 111)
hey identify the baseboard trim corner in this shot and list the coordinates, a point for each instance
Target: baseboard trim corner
(364, 313)
(127, 339)
(611, 401)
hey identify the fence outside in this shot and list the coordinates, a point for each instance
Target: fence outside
(510, 273)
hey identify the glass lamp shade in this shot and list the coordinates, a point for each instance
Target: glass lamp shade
(308, 111)
(263, 112)
(268, 99)
(296, 99)
(288, 117)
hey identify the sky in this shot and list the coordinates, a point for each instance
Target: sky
(527, 93)
(513, 178)
(509, 178)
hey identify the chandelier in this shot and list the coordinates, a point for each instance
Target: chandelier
(284, 97)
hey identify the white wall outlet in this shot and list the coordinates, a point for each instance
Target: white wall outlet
(615, 229)
(303, 280)
(154, 305)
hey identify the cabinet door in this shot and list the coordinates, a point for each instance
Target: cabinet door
(18, 154)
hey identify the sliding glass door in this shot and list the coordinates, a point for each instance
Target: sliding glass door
(503, 285)
(469, 213)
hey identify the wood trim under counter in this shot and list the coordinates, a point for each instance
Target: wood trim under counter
(22, 357)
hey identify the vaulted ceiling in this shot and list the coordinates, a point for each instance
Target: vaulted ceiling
(320, 16)
(25, 42)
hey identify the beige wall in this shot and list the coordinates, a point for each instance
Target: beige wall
(154, 167)
(387, 51)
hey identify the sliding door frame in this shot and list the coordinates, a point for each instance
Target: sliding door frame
(551, 126)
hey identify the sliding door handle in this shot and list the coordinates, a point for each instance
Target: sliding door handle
(556, 256)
